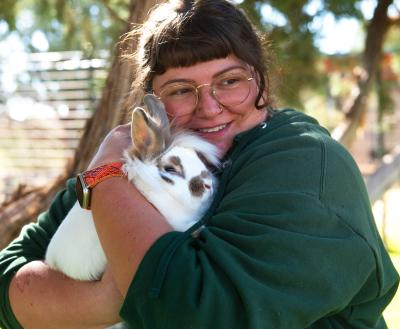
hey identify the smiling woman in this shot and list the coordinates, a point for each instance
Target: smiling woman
(289, 238)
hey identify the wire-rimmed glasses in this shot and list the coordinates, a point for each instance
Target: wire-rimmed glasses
(230, 88)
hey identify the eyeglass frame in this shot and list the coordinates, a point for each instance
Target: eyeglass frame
(212, 93)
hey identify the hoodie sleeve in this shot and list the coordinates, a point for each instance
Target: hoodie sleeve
(287, 246)
(30, 245)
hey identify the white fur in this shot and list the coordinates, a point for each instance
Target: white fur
(75, 248)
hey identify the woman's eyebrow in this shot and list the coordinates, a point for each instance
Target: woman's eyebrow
(177, 81)
(215, 75)
(231, 68)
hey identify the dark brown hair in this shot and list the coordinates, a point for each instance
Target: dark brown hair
(185, 32)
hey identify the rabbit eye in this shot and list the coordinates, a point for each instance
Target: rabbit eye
(172, 165)
(170, 169)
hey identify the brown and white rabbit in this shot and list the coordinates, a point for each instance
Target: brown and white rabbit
(167, 167)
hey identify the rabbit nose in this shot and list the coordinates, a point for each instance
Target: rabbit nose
(197, 186)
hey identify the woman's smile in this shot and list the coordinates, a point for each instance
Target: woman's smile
(213, 130)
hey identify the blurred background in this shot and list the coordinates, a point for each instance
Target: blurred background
(62, 87)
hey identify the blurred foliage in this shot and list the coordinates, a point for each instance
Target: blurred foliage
(8, 12)
(67, 24)
(293, 53)
(392, 43)
(90, 25)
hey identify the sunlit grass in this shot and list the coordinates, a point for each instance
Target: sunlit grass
(392, 312)
(386, 212)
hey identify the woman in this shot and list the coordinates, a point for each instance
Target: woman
(289, 241)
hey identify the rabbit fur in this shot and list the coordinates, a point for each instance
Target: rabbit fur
(169, 168)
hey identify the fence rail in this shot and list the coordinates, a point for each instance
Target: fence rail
(42, 120)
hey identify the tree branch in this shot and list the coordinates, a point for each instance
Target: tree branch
(113, 13)
(376, 32)
(385, 176)
(395, 21)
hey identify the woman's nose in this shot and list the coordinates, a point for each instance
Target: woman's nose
(207, 104)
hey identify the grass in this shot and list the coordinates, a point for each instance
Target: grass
(386, 213)
(392, 312)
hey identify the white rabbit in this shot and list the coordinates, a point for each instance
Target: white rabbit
(168, 168)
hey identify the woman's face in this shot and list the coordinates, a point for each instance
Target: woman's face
(218, 116)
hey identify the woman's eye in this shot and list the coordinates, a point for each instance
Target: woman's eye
(182, 91)
(179, 91)
(229, 82)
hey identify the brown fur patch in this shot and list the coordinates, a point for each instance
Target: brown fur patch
(176, 162)
(196, 186)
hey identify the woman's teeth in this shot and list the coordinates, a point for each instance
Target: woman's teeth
(212, 130)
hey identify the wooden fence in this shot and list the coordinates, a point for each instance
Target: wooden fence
(41, 122)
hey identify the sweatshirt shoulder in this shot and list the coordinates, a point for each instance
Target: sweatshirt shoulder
(287, 154)
(294, 135)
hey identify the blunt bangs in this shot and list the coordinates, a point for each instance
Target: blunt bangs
(188, 51)
(188, 41)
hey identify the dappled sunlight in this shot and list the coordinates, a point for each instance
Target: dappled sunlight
(387, 217)
(392, 314)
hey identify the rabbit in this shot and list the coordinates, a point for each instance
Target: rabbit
(170, 168)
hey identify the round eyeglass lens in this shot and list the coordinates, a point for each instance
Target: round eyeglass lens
(229, 89)
(232, 89)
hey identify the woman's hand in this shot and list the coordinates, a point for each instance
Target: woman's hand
(113, 146)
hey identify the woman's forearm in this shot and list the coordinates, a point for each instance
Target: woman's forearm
(127, 225)
(42, 298)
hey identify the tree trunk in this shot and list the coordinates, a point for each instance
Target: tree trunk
(26, 204)
(385, 176)
(110, 111)
(376, 33)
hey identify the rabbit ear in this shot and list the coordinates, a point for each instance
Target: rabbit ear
(156, 109)
(150, 129)
(147, 137)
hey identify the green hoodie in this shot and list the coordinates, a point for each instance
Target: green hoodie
(289, 242)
